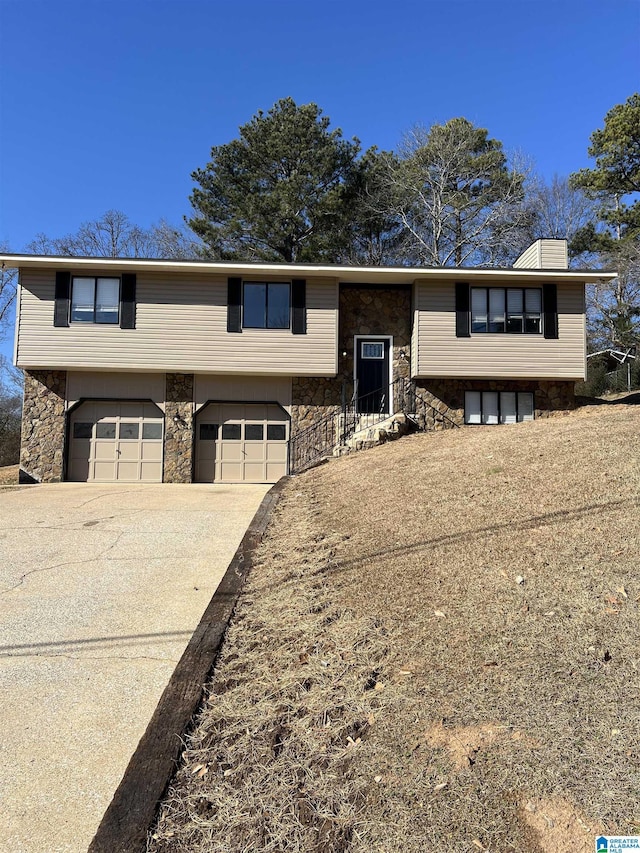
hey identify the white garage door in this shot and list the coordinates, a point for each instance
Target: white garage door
(241, 443)
(112, 441)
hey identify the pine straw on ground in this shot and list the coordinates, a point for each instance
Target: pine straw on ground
(438, 650)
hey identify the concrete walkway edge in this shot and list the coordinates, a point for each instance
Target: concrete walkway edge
(130, 815)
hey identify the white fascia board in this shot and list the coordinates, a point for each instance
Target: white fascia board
(351, 274)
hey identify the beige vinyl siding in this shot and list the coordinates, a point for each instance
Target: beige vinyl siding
(530, 258)
(181, 325)
(246, 389)
(544, 255)
(553, 255)
(115, 386)
(439, 353)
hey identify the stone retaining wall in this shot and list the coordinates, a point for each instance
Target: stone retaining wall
(43, 426)
(178, 429)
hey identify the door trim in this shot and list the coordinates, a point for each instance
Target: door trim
(357, 340)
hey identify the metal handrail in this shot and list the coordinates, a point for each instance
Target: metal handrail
(317, 441)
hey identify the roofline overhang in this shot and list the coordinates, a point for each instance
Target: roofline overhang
(353, 274)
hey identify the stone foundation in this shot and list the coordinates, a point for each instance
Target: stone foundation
(178, 430)
(441, 401)
(43, 427)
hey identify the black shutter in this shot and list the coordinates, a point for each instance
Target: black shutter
(299, 306)
(234, 305)
(550, 305)
(462, 310)
(62, 296)
(128, 301)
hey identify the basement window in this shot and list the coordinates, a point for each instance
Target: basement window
(498, 407)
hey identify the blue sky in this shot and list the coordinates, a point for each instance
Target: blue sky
(113, 103)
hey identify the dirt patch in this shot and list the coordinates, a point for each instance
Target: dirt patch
(439, 632)
(559, 826)
(464, 743)
(9, 475)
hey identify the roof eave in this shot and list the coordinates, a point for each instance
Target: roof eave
(343, 273)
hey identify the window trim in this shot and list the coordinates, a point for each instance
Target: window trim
(525, 314)
(267, 285)
(94, 320)
(500, 422)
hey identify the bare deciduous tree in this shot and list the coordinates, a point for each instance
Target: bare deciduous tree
(113, 235)
(8, 286)
(10, 412)
(456, 195)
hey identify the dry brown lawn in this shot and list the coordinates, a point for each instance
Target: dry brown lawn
(9, 475)
(439, 649)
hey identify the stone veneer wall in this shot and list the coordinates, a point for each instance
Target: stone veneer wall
(43, 426)
(446, 396)
(178, 434)
(362, 311)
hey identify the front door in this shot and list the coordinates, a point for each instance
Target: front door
(372, 375)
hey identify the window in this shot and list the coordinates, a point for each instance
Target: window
(232, 432)
(254, 432)
(514, 310)
(498, 407)
(375, 350)
(208, 432)
(151, 430)
(82, 430)
(129, 431)
(266, 305)
(276, 432)
(106, 429)
(95, 300)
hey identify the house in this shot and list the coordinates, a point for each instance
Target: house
(182, 371)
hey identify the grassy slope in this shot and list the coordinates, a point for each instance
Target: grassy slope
(9, 475)
(438, 650)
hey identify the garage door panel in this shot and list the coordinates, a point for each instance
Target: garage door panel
(254, 452)
(129, 451)
(230, 451)
(251, 446)
(231, 472)
(152, 452)
(276, 453)
(104, 450)
(274, 470)
(148, 471)
(253, 471)
(125, 444)
(79, 470)
(129, 471)
(105, 471)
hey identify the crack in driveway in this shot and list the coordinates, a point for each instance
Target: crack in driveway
(28, 574)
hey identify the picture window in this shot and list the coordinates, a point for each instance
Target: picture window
(266, 305)
(95, 300)
(510, 310)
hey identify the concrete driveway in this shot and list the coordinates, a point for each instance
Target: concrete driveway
(101, 588)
